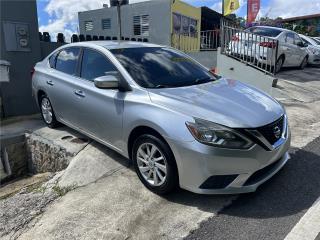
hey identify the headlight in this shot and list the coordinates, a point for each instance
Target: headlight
(216, 135)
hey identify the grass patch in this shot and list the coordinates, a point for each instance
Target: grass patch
(61, 191)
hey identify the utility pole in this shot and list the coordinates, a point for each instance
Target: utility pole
(119, 19)
(222, 29)
(222, 7)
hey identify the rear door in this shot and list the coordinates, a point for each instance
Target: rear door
(60, 85)
(290, 50)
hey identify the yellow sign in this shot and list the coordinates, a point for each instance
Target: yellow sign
(230, 6)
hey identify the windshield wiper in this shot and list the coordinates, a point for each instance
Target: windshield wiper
(203, 80)
(162, 86)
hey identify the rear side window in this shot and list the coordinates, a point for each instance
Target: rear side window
(95, 64)
(67, 60)
(52, 60)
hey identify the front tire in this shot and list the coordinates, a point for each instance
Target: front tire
(47, 112)
(154, 164)
(304, 63)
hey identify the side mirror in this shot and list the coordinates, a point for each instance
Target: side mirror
(107, 82)
(301, 44)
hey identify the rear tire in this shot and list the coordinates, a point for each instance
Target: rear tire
(154, 164)
(47, 112)
(304, 63)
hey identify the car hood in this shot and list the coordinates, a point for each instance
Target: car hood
(227, 102)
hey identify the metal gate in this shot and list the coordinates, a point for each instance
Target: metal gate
(252, 49)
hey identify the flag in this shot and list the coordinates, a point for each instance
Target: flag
(253, 9)
(230, 6)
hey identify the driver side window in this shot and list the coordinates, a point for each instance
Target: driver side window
(290, 38)
(95, 64)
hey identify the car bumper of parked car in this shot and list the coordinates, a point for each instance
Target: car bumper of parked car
(208, 170)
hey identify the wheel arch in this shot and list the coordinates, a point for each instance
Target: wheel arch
(40, 93)
(140, 130)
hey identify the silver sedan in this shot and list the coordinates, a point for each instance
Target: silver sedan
(180, 124)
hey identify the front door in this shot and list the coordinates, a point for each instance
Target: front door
(100, 111)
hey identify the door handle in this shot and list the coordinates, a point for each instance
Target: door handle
(49, 82)
(79, 93)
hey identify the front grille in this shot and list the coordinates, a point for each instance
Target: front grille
(268, 131)
(261, 174)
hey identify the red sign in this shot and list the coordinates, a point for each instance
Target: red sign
(253, 9)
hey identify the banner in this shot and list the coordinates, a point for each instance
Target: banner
(230, 6)
(253, 10)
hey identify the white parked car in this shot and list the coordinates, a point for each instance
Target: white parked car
(313, 49)
(260, 43)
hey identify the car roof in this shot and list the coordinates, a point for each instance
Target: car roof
(275, 28)
(114, 44)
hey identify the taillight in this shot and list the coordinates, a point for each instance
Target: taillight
(235, 38)
(32, 72)
(268, 44)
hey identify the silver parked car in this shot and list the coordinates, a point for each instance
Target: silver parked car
(260, 43)
(313, 49)
(180, 124)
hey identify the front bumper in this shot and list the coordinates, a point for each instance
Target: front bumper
(314, 59)
(250, 168)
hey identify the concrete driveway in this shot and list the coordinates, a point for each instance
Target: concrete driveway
(111, 203)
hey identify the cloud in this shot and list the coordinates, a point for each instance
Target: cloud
(292, 8)
(64, 15)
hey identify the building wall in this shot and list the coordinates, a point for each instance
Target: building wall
(186, 42)
(159, 20)
(16, 95)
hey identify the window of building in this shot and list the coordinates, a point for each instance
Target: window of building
(67, 60)
(184, 25)
(94, 65)
(106, 23)
(141, 25)
(88, 25)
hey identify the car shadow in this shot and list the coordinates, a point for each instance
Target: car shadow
(294, 189)
(290, 191)
(308, 74)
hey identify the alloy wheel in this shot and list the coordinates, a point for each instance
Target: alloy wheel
(46, 110)
(152, 164)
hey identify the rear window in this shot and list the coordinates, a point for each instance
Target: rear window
(266, 32)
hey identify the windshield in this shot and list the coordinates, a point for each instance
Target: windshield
(267, 32)
(309, 40)
(158, 67)
(316, 41)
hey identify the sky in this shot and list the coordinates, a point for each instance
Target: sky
(62, 15)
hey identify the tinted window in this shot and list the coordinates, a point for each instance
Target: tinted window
(290, 38)
(94, 65)
(297, 39)
(67, 60)
(267, 32)
(161, 67)
(52, 60)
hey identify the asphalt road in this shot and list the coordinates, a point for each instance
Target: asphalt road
(273, 210)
